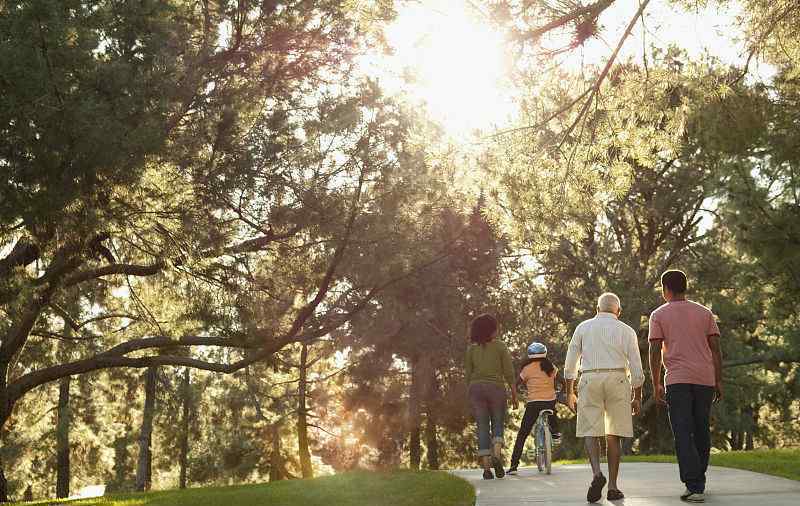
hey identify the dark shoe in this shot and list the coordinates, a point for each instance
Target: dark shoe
(512, 470)
(498, 467)
(615, 495)
(595, 492)
(487, 474)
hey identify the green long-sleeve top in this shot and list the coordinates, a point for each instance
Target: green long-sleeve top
(489, 363)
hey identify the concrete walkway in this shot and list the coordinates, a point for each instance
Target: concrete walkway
(643, 485)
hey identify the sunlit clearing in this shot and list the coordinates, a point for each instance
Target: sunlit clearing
(89, 492)
(453, 61)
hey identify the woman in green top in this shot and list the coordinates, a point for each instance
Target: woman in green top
(488, 370)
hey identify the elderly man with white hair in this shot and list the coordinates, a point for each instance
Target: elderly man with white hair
(609, 391)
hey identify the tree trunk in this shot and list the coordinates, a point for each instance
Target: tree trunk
(121, 469)
(431, 402)
(737, 440)
(184, 455)
(62, 439)
(276, 461)
(752, 418)
(415, 450)
(3, 485)
(431, 441)
(144, 469)
(5, 414)
(302, 421)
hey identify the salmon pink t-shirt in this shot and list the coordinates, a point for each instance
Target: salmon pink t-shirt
(540, 385)
(683, 327)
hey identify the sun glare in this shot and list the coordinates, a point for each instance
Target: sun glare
(447, 57)
(453, 62)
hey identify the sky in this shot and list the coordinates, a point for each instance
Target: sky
(443, 42)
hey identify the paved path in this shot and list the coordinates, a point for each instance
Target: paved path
(643, 485)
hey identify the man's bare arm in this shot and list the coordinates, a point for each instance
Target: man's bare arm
(571, 398)
(655, 363)
(655, 370)
(716, 353)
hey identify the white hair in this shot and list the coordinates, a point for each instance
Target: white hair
(608, 303)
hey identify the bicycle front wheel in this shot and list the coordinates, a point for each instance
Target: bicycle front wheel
(547, 450)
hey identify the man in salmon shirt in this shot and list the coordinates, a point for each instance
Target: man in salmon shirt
(685, 337)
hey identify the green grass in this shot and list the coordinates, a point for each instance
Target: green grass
(784, 462)
(401, 488)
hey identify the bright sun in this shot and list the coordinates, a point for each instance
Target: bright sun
(455, 62)
(451, 59)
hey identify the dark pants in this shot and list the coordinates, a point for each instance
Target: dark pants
(488, 402)
(689, 413)
(532, 410)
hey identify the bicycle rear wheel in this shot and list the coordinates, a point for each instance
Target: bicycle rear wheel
(538, 439)
(547, 450)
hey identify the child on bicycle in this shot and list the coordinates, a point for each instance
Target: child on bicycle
(539, 375)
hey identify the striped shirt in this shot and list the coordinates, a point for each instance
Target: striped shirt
(604, 342)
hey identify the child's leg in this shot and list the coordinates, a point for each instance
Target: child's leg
(553, 419)
(528, 420)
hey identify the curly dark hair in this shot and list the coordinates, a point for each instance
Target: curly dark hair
(482, 329)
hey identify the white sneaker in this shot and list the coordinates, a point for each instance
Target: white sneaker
(693, 497)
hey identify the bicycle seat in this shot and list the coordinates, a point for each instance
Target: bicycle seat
(548, 411)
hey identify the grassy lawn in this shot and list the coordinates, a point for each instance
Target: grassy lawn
(403, 488)
(785, 462)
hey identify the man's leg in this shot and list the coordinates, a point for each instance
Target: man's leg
(613, 453)
(593, 452)
(590, 425)
(618, 423)
(528, 420)
(680, 402)
(703, 398)
(595, 492)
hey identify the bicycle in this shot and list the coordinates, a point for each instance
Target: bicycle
(543, 442)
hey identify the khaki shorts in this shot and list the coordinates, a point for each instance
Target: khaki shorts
(604, 405)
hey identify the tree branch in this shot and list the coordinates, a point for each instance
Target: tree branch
(108, 270)
(596, 88)
(115, 357)
(761, 359)
(23, 253)
(592, 10)
(259, 243)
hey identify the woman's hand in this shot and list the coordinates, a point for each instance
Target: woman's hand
(636, 406)
(572, 402)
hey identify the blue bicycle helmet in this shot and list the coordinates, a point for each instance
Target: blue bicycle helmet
(537, 350)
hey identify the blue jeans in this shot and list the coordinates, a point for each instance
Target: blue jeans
(488, 402)
(689, 414)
